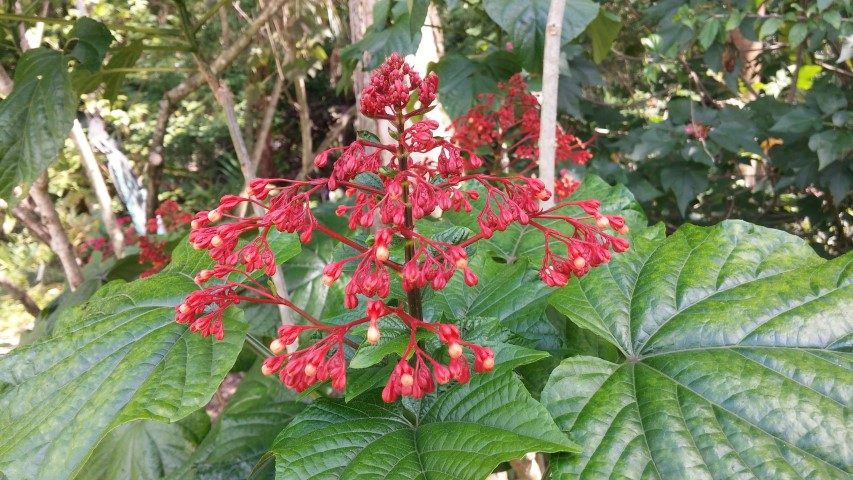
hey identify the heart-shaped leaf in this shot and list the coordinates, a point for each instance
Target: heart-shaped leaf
(35, 118)
(464, 433)
(257, 412)
(738, 345)
(122, 357)
(526, 21)
(146, 449)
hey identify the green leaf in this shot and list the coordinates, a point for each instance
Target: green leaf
(463, 434)
(602, 31)
(739, 363)
(797, 120)
(35, 118)
(797, 34)
(369, 136)
(734, 20)
(304, 273)
(823, 4)
(92, 40)
(145, 449)
(770, 26)
(417, 15)
(833, 17)
(245, 430)
(463, 79)
(526, 21)
(492, 298)
(709, 33)
(394, 338)
(686, 180)
(121, 358)
(123, 58)
(369, 179)
(827, 146)
(364, 379)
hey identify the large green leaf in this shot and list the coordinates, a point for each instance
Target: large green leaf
(122, 357)
(35, 118)
(257, 412)
(463, 79)
(512, 293)
(739, 347)
(146, 449)
(462, 434)
(91, 40)
(526, 21)
(602, 31)
(304, 273)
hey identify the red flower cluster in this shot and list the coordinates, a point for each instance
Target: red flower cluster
(506, 124)
(398, 191)
(152, 249)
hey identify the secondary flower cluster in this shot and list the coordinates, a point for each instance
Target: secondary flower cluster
(386, 184)
(507, 126)
(152, 247)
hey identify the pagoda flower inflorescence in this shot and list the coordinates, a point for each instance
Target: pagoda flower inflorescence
(410, 190)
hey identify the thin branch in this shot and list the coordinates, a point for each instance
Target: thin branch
(20, 295)
(266, 123)
(207, 16)
(792, 93)
(191, 84)
(25, 213)
(111, 26)
(147, 70)
(304, 127)
(59, 242)
(335, 131)
(835, 69)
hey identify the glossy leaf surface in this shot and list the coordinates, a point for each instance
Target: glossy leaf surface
(35, 118)
(738, 343)
(463, 433)
(121, 357)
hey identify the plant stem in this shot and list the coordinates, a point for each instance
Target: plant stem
(413, 295)
(62, 21)
(257, 346)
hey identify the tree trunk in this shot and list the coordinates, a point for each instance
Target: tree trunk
(59, 242)
(96, 180)
(550, 84)
(20, 295)
(25, 213)
(360, 18)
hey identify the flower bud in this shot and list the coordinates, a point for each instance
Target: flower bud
(372, 334)
(277, 347)
(407, 380)
(455, 350)
(602, 222)
(216, 240)
(382, 253)
(310, 369)
(470, 277)
(214, 215)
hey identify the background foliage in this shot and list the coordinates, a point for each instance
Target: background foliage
(721, 350)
